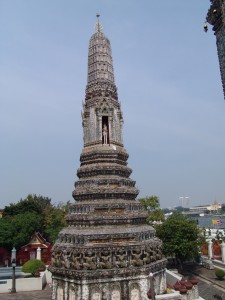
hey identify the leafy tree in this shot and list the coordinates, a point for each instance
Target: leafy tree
(54, 222)
(17, 231)
(156, 216)
(6, 233)
(33, 203)
(181, 237)
(33, 266)
(150, 202)
(34, 213)
(23, 226)
(181, 208)
(152, 205)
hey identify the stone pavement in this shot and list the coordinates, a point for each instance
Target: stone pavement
(34, 295)
(210, 288)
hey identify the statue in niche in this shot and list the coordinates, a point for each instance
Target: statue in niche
(105, 134)
(115, 295)
(135, 294)
(72, 292)
(96, 296)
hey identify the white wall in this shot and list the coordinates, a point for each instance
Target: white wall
(24, 284)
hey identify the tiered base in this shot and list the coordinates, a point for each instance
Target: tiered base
(130, 288)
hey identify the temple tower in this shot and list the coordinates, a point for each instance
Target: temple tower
(216, 17)
(107, 250)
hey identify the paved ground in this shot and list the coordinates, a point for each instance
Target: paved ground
(210, 288)
(34, 295)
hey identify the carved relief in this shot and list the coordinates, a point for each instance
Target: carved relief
(89, 261)
(121, 259)
(136, 258)
(66, 259)
(105, 260)
(76, 261)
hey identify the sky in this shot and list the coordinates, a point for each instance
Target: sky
(168, 79)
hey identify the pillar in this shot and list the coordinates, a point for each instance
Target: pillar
(223, 252)
(39, 253)
(210, 249)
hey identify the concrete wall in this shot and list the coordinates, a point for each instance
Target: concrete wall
(24, 284)
(172, 277)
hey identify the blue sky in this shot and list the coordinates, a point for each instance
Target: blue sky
(167, 74)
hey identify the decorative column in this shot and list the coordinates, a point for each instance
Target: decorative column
(39, 253)
(210, 254)
(223, 252)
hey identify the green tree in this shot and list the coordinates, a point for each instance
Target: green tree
(152, 205)
(150, 202)
(32, 203)
(33, 266)
(34, 213)
(54, 222)
(156, 216)
(181, 237)
(23, 226)
(6, 233)
(17, 231)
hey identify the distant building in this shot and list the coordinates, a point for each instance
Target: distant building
(206, 208)
(29, 251)
(5, 257)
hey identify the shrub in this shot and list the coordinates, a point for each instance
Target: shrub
(33, 266)
(219, 274)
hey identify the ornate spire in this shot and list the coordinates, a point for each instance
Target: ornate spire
(100, 65)
(98, 25)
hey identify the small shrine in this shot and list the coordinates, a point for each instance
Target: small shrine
(37, 248)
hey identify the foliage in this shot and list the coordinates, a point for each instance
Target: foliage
(23, 226)
(181, 208)
(17, 231)
(54, 222)
(152, 205)
(34, 213)
(150, 202)
(156, 216)
(181, 237)
(33, 203)
(220, 274)
(6, 233)
(33, 266)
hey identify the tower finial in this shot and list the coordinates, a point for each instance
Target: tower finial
(98, 25)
